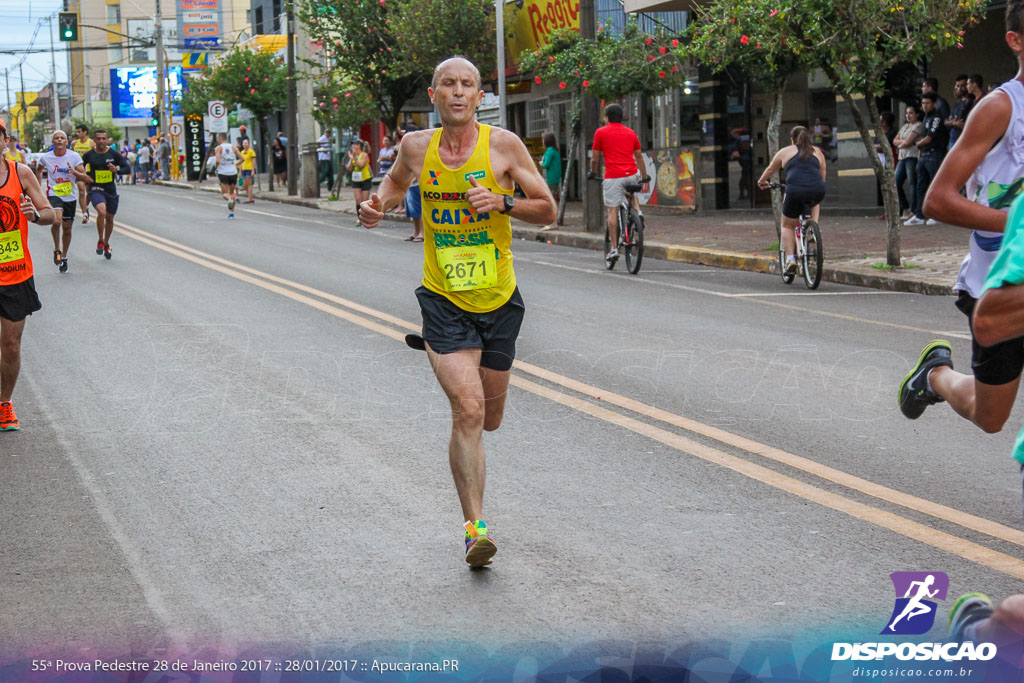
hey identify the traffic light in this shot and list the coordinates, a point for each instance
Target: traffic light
(68, 24)
(154, 116)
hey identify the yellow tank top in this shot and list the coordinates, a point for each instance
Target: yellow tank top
(81, 147)
(16, 156)
(467, 256)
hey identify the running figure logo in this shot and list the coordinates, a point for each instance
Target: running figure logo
(917, 594)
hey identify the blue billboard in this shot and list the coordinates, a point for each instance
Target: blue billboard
(133, 90)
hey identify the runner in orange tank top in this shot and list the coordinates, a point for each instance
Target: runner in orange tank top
(471, 305)
(21, 200)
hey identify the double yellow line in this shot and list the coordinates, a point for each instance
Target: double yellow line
(592, 401)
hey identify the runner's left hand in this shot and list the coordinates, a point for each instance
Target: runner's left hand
(482, 199)
(27, 207)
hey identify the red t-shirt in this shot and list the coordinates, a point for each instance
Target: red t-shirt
(617, 143)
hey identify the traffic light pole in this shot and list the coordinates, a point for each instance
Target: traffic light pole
(54, 90)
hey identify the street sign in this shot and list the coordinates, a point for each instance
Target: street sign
(218, 116)
(195, 146)
(175, 129)
(244, 114)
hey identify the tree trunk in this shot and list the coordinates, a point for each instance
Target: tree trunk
(774, 123)
(574, 141)
(885, 173)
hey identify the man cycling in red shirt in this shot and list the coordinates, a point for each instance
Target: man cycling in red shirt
(621, 150)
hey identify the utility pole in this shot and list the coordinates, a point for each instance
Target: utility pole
(593, 212)
(293, 109)
(85, 76)
(24, 115)
(499, 31)
(54, 91)
(7, 84)
(161, 76)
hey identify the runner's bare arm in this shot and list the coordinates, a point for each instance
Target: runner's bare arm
(35, 193)
(39, 173)
(986, 124)
(80, 173)
(539, 206)
(404, 171)
(999, 315)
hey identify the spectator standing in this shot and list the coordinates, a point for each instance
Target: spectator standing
(907, 156)
(280, 161)
(976, 87)
(961, 108)
(358, 165)
(552, 164)
(931, 85)
(323, 156)
(145, 160)
(164, 154)
(386, 156)
(247, 154)
(933, 148)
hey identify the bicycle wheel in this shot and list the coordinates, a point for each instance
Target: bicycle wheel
(635, 242)
(814, 255)
(607, 247)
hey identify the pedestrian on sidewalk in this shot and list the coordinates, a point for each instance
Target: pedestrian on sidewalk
(280, 162)
(323, 156)
(906, 167)
(933, 148)
(247, 154)
(989, 161)
(358, 165)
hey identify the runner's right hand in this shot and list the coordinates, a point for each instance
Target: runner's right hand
(371, 211)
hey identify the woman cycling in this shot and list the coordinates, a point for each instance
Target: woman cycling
(804, 165)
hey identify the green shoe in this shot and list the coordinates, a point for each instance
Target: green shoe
(914, 394)
(480, 547)
(967, 610)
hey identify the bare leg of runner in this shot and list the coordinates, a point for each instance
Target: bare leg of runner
(986, 405)
(10, 356)
(477, 397)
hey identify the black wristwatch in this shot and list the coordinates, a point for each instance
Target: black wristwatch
(509, 203)
(37, 214)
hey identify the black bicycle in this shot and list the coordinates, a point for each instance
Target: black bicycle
(810, 254)
(631, 230)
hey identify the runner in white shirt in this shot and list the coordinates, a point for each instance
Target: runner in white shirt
(228, 159)
(64, 170)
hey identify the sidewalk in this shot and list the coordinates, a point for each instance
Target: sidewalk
(743, 240)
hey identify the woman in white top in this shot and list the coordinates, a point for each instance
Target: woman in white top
(906, 168)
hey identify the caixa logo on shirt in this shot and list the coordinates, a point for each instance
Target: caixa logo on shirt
(9, 214)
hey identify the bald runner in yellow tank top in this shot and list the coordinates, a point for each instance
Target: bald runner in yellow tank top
(467, 256)
(471, 307)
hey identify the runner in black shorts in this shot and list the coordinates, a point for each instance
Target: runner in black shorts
(448, 328)
(469, 299)
(65, 172)
(104, 163)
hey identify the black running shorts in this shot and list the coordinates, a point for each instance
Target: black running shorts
(448, 328)
(228, 179)
(795, 202)
(993, 365)
(19, 301)
(67, 207)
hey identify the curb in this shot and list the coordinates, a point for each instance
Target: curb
(734, 261)
(728, 260)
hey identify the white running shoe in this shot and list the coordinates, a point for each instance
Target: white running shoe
(931, 221)
(914, 220)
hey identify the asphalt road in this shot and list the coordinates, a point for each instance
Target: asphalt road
(225, 443)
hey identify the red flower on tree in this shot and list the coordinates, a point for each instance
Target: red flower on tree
(744, 39)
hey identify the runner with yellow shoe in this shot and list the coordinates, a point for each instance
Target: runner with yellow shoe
(471, 306)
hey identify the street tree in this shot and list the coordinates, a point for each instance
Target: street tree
(338, 102)
(610, 67)
(388, 48)
(855, 44)
(718, 38)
